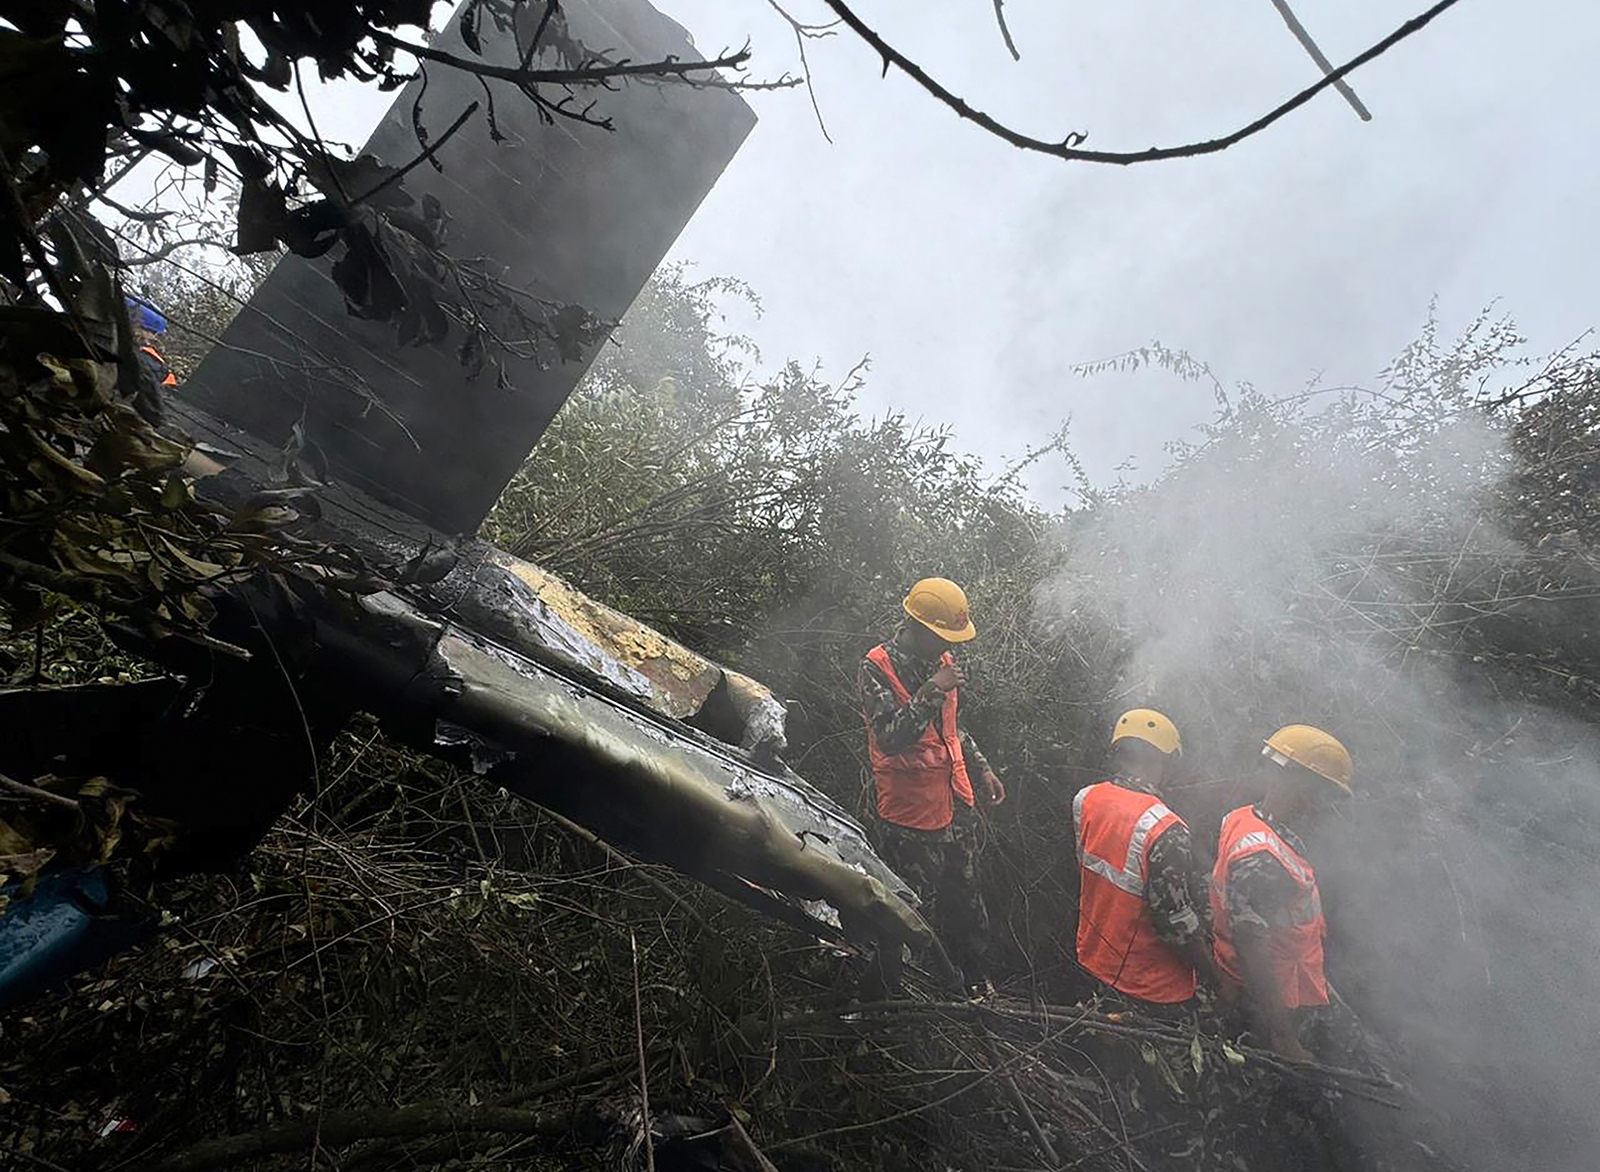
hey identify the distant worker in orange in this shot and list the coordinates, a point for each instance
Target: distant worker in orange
(923, 766)
(148, 326)
(1139, 908)
(1265, 905)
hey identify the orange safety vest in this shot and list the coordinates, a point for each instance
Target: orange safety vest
(171, 380)
(915, 787)
(1117, 941)
(1296, 951)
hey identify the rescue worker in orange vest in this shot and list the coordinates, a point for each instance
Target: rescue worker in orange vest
(148, 326)
(1139, 919)
(1265, 906)
(924, 766)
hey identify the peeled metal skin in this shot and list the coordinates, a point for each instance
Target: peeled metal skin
(504, 668)
(635, 778)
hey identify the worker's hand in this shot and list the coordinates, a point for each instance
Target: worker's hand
(948, 677)
(993, 791)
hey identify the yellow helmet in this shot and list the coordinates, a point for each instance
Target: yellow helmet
(941, 606)
(1312, 748)
(1149, 726)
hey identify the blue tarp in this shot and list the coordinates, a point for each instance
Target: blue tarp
(63, 927)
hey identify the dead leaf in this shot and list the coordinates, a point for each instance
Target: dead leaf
(26, 864)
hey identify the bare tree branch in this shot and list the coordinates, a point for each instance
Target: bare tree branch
(801, 32)
(333, 1129)
(24, 790)
(644, 1065)
(131, 213)
(1311, 47)
(1070, 148)
(167, 249)
(589, 74)
(1000, 19)
(426, 156)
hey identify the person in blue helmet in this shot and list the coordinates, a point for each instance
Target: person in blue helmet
(148, 326)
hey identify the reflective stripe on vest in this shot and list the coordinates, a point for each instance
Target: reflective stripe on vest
(1295, 951)
(1115, 828)
(918, 788)
(1129, 874)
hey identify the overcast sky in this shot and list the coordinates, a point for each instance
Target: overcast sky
(976, 275)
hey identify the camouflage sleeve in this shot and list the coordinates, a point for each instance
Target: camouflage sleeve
(896, 726)
(1260, 892)
(158, 370)
(1170, 887)
(977, 763)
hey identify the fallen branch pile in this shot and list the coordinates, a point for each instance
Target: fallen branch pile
(412, 971)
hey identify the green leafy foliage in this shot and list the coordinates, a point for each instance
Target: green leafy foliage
(73, 822)
(96, 507)
(1407, 557)
(409, 935)
(100, 506)
(771, 525)
(1409, 563)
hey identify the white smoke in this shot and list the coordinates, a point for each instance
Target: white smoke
(1347, 565)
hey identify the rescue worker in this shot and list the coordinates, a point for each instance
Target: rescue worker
(1139, 923)
(923, 766)
(148, 326)
(1265, 906)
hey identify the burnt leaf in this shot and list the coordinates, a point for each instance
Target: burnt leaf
(575, 330)
(169, 144)
(353, 274)
(408, 327)
(248, 161)
(432, 563)
(263, 216)
(470, 17)
(363, 179)
(278, 71)
(433, 212)
(365, 274)
(312, 230)
(436, 323)
(52, 98)
(472, 353)
(417, 227)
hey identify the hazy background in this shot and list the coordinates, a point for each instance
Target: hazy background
(976, 275)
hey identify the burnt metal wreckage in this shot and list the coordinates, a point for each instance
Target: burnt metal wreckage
(470, 654)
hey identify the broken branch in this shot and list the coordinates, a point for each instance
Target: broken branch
(333, 1129)
(1317, 55)
(24, 790)
(1005, 33)
(587, 75)
(1069, 148)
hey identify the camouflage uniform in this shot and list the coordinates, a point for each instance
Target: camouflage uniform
(1260, 892)
(898, 726)
(941, 866)
(1175, 892)
(1259, 889)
